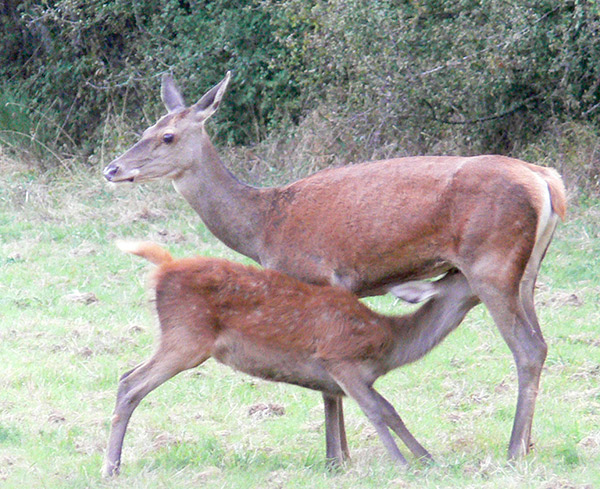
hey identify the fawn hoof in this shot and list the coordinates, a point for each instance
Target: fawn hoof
(426, 459)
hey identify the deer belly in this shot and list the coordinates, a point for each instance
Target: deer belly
(275, 364)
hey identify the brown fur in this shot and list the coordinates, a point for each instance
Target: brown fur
(276, 327)
(270, 308)
(371, 226)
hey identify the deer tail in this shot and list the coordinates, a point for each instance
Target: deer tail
(146, 249)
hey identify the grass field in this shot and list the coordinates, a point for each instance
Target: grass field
(75, 314)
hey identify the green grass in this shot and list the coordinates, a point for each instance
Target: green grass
(61, 357)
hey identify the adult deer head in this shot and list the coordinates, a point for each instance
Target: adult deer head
(166, 148)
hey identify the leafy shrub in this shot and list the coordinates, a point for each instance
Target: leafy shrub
(483, 74)
(81, 62)
(366, 80)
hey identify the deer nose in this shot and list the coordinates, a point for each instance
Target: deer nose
(110, 171)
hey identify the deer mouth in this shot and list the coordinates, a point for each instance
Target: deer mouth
(129, 179)
(114, 173)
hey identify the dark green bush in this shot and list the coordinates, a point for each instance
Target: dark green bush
(385, 76)
(80, 62)
(487, 74)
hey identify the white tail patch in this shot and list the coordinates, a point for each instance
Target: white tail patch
(547, 222)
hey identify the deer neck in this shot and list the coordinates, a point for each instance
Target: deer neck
(416, 334)
(231, 210)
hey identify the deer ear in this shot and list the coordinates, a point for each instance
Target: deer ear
(209, 103)
(414, 292)
(170, 94)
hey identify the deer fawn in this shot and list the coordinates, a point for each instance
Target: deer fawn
(273, 326)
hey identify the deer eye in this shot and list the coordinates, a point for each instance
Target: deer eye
(168, 138)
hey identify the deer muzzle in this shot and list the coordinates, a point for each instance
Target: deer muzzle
(114, 173)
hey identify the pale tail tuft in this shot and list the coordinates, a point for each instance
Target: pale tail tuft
(146, 249)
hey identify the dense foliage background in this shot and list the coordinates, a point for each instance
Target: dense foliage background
(362, 79)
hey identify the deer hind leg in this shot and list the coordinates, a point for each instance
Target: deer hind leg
(370, 403)
(520, 446)
(393, 420)
(510, 299)
(518, 325)
(529, 349)
(133, 387)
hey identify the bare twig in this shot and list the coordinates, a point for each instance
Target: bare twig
(477, 120)
(504, 44)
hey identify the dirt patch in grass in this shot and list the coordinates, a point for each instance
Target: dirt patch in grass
(265, 410)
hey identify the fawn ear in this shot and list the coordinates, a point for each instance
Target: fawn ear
(209, 103)
(170, 94)
(414, 292)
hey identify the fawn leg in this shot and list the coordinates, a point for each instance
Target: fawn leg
(333, 441)
(393, 420)
(133, 387)
(371, 405)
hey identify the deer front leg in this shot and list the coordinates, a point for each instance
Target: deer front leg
(133, 387)
(343, 439)
(335, 434)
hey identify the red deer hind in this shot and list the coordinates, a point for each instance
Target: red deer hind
(370, 226)
(271, 325)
